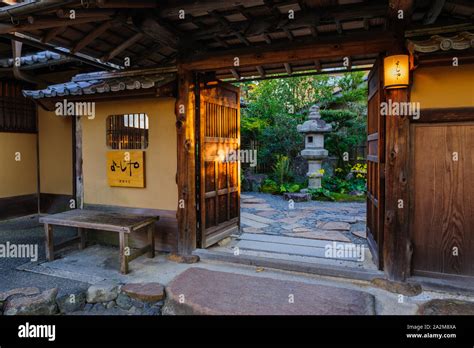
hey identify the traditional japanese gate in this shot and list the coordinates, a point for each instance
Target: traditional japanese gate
(375, 164)
(219, 169)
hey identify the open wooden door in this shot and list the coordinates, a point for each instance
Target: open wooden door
(375, 164)
(219, 171)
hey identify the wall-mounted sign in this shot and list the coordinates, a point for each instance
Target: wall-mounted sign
(126, 168)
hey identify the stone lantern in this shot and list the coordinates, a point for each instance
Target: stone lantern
(314, 152)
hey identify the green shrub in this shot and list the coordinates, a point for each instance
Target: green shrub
(321, 194)
(270, 186)
(281, 170)
(291, 188)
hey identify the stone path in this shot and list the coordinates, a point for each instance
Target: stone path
(270, 214)
(222, 293)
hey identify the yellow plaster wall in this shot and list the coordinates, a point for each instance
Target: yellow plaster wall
(55, 149)
(17, 178)
(160, 158)
(443, 87)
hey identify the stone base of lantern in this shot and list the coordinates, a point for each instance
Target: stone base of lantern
(314, 174)
(314, 183)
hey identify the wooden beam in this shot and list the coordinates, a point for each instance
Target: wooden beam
(317, 65)
(235, 74)
(338, 26)
(159, 32)
(47, 47)
(261, 71)
(328, 47)
(47, 24)
(127, 4)
(288, 69)
(434, 11)
(399, 15)
(242, 38)
(289, 34)
(459, 114)
(67, 13)
(52, 34)
(122, 47)
(366, 24)
(225, 23)
(267, 38)
(91, 36)
(185, 175)
(200, 6)
(222, 42)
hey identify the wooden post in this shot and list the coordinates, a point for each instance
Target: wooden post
(185, 176)
(124, 249)
(48, 230)
(397, 247)
(78, 164)
(82, 234)
(151, 240)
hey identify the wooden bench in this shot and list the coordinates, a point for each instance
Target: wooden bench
(104, 221)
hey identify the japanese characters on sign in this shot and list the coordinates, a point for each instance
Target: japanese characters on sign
(126, 168)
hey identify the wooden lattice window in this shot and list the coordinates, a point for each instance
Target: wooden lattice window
(17, 113)
(127, 132)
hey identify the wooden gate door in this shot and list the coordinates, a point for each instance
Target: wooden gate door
(219, 172)
(442, 212)
(375, 164)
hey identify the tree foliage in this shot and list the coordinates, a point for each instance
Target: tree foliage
(275, 107)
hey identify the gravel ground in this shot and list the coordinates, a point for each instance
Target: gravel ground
(27, 230)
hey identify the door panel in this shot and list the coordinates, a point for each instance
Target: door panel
(375, 164)
(219, 181)
(443, 199)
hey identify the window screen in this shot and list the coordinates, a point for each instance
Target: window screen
(127, 132)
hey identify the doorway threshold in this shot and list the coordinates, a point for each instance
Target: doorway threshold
(328, 270)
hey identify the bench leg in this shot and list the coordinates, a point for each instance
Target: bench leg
(124, 252)
(48, 230)
(82, 233)
(151, 240)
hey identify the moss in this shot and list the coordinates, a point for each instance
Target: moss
(343, 197)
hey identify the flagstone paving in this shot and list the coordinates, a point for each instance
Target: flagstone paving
(271, 214)
(223, 293)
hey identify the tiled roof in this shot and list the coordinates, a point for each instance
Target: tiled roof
(33, 59)
(94, 86)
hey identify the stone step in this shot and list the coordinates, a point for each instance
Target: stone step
(325, 235)
(260, 206)
(252, 223)
(286, 240)
(287, 249)
(257, 218)
(223, 293)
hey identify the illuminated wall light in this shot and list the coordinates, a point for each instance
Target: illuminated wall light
(396, 71)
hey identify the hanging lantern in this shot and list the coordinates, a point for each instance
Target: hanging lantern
(396, 71)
